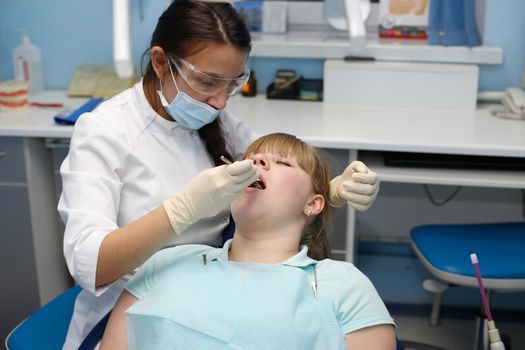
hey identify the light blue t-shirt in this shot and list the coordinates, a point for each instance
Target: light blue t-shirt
(194, 297)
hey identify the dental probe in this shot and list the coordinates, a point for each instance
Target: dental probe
(225, 160)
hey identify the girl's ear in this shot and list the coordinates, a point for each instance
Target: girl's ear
(159, 62)
(314, 205)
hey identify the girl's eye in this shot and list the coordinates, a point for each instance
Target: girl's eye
(282, 162)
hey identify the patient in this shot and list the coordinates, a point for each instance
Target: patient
(271, 287)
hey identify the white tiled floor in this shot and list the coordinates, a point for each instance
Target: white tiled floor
(453, 334)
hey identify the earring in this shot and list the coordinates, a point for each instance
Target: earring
(308, 212)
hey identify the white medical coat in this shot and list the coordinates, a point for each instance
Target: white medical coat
(124, 160)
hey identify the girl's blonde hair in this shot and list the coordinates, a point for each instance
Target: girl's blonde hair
(310, 159)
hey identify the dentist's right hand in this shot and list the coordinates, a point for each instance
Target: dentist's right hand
(209, 193)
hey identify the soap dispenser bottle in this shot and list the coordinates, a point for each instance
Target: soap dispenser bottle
(27, 60)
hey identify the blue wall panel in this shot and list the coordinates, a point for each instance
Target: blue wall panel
(79, 32)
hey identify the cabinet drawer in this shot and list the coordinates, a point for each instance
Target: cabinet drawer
(12, 166)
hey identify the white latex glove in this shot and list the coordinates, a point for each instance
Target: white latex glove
(209, 193)
(357, 185)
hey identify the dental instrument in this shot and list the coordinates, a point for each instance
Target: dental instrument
(257, 181)
(494, 336)
(225, 160)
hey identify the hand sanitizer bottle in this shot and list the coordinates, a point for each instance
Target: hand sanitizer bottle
(27, 60)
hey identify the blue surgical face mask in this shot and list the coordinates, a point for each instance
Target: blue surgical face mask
(187, 111)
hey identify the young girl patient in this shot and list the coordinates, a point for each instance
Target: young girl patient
(271, 287)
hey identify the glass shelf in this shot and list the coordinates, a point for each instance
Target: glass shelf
(335, 45)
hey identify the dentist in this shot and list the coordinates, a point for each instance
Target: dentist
(143, 170)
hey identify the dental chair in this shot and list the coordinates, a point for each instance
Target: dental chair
(445, 251)
(47, 327)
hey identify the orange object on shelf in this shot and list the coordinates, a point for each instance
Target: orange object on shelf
(250, 88)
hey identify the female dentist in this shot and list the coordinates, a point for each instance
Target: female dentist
(139, 169)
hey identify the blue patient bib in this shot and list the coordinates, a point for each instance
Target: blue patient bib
(220, 304)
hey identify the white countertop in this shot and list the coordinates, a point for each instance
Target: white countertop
(38, 121)
(330, 126)
(385, 129)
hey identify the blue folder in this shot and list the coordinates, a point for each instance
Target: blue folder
(67, 117)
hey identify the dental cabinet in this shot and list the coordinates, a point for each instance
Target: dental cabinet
(34, 269)
(312, 33)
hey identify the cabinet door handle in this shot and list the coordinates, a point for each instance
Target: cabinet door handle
(3, 153)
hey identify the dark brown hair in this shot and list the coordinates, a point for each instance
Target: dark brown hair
(312, 161)
(188, 26)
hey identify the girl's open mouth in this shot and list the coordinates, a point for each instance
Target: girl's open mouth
(259, 184)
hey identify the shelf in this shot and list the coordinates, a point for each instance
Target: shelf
(335, 45)
(455, 177)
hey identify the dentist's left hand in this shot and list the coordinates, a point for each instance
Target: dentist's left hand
(357, 185)
(208, 193)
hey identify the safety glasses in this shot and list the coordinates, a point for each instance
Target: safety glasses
(207, 84)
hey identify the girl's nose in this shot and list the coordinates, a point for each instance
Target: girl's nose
(261, 160)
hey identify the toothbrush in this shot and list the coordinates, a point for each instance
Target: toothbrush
(227, 161)
(494, 336)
